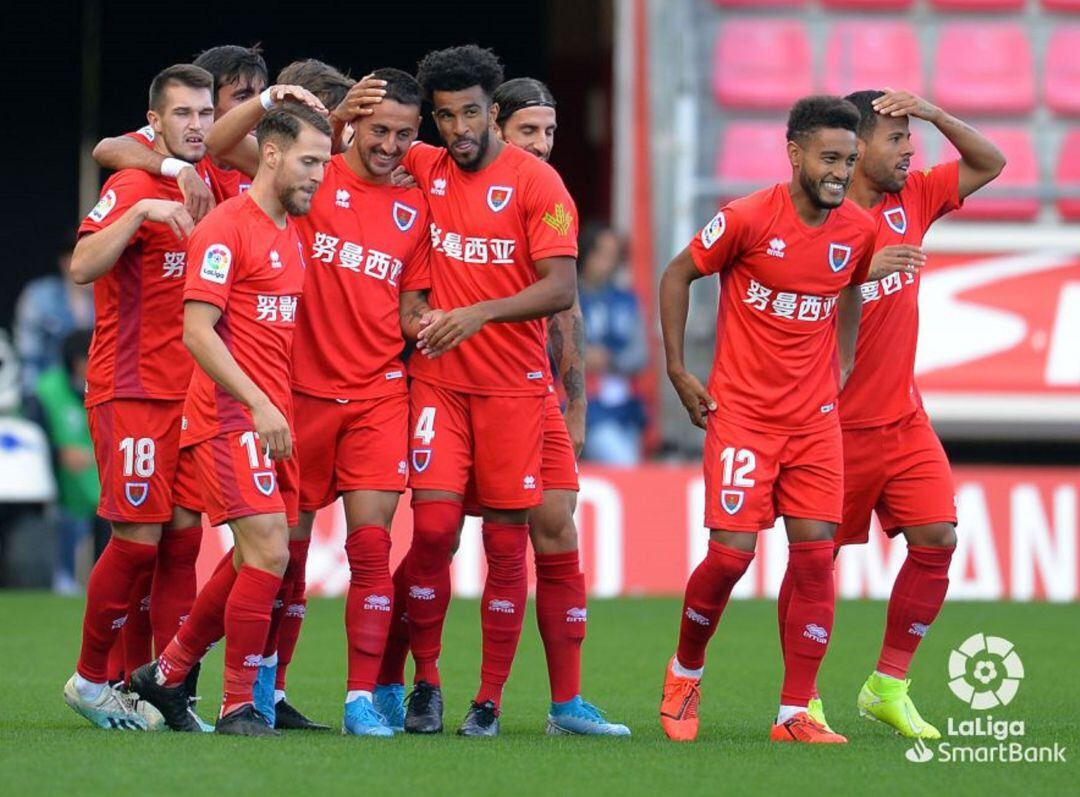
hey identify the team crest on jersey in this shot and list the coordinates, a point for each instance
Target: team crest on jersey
(104, 206)
(731, 500)
(498, 197)
(839, 255)
(136, 493)
(714, 230)
(404, 216)
(264, 481)
(896, 219)
(421, 458)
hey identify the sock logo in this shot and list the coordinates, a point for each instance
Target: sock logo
(919, 629)
(501, 606)
(696, 617)
(118, 623)
(576, 614)
(296, 610)
(422, 593)
(253, 660)
(144, 603)
(377, 603)
(817, 633)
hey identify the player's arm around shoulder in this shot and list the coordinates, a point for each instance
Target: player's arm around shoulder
(128, 200)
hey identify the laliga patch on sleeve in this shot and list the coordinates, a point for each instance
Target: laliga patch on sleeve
(714, 230)
(216, 263)
(147, 132)
(104, 205)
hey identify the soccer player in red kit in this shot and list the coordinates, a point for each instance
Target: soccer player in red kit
(526, 119)
(503, 236)
(132, 248)
(790, 259)
(241, 302)
(893, 461)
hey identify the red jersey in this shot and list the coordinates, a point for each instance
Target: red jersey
(137, 350)
(225, 182)
(365, 244)
(488, 230)
(882, 389)
(254, 272)
(776, 366)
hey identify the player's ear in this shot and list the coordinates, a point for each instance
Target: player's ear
(271, 154)
(860, 147)
(794, 153)
(493, 114)
(154, 119)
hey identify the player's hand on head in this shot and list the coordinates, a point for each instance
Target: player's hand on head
(904, 103)
(273, 430)
(174, 214)
(287, 93)
(693, 395)
(401, 178)
(198, 199)
(366, 93)
(903, 258)
(450, 330)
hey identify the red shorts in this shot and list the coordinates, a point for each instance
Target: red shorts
(898, 470)
(498, 437)
(136, 445)
(558, 463)
(350, 445)
(752, 476)
(236, 479)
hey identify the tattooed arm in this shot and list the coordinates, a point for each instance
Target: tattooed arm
(566, 344)
(415, 312)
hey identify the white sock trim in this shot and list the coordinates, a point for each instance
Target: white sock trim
(684, 672)
(353, 694)
(88, 690)
(279, 695)
(270, 661)
(787, 712)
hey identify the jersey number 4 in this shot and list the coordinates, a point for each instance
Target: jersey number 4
(425, 426)
(745, 461)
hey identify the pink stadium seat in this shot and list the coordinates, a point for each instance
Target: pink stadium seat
(1000, 199)
(977, 5)
(868, 5)
(1062, 5)
(759, 3)
(984, 68)
(761, 64)
(752, 155)
(872, 55)
(1063, 70)
(1067, 176)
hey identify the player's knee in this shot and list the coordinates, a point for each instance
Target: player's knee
(145, 533)
(436, 525)
(504, 545)
(933, 535)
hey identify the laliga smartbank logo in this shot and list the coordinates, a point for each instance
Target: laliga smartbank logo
(985, 673)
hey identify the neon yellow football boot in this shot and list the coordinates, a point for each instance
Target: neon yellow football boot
(816, 710)
(886, 700)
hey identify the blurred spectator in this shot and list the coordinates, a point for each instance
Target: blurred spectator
(615, 350)
(48, 309)
(60, 393)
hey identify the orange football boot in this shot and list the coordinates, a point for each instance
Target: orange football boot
(679, 706)
(804, 728)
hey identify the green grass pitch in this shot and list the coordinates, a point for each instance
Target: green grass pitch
(47, 749)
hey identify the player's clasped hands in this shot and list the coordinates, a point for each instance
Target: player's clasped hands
(903, 258)
(272, 429)
(449, 329)
(693, 395)
(174, 214)
(198, 199)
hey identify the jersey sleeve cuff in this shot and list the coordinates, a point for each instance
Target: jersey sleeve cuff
(209, 297)
(554, 251)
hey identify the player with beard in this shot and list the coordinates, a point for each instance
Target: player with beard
(893, 461)
(790, 260)
(132, 247)
(241, 303)
(504, 244)
(526, 119)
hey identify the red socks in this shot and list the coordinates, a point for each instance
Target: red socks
(917, 596)
(247, 621)
(295, 608)
(204, 626)
(392, 669)
(561, 615)
(108, 599)
(502, 607)
(173, 591)
(369, 605)
(707, 594)
(809, 618)
(427, 576)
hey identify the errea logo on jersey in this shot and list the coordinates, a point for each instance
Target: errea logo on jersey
(104, 206)
(216, 264)
(341, 198)
(776, 247)
(275, 259)
(438, 187)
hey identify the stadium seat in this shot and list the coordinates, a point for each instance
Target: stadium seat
(868, 5)
(984, 68)
(1062, 80)
(759, 3)
(875, 54)
(752, 155)
(1004, 198)
(762, 64)
(1062, 5)
(977, 5)
(1067, 176)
